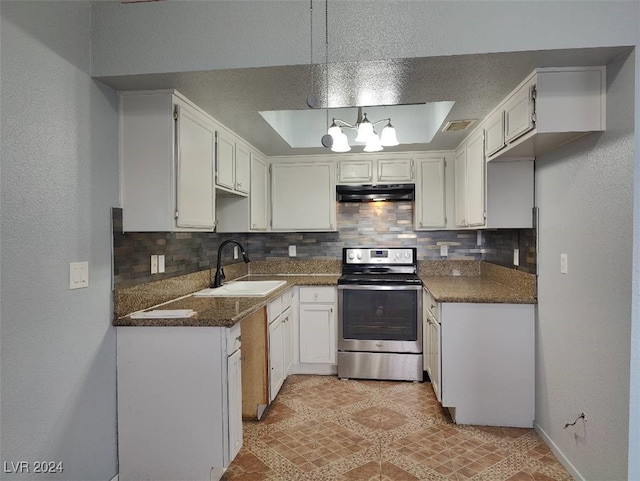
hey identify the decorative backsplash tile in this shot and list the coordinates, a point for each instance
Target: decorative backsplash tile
(359, 224)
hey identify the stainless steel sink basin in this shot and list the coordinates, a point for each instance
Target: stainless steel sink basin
(242, 289)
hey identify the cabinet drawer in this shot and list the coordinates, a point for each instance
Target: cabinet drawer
(317, 294)
(233, 338)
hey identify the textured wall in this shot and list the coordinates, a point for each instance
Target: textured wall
(584, 191)
(366, 224)
(59, 179)
(138, 38)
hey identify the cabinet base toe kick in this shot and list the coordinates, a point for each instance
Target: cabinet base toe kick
(381, 366)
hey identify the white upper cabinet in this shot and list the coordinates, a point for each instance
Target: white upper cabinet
(376, 170)
(259, 196)
(395, 170)
(470, 182)
(225, 159)
(355, 171)
(166, 163)
(303, 196)
(243, 168)
(551, 107)
(494, 132)
(232, 163)
(430, 205)
(239, 213)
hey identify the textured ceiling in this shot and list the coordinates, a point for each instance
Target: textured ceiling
(475, 82)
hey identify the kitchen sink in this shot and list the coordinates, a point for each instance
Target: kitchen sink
(242, 289)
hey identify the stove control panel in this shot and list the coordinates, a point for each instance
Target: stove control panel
(387, 256)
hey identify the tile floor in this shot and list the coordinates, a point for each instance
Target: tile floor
(321, 428)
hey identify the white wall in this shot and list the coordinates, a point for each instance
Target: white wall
(59, 181)
(217, 34)
(634, 396)
(585, 195)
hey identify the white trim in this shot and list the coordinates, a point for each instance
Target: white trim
(115, 478)
(559, 454)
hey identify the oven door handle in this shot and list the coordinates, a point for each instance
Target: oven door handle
(379, 287)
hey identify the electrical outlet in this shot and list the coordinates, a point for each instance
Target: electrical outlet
(444, 250)
(78, 275)
(154, 264)
(479, 238)
(292, 251)
(516, 257)
(564, 264)
(236, 252)
(160, 263)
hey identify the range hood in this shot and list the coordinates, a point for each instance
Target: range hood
(372, 193)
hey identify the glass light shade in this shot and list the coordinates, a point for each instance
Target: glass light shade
(365, 130)
(340, 143)
(388, 136)
(373, 144)
(334, 131)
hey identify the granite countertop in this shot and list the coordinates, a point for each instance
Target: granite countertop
(226, 311)
(477, 289)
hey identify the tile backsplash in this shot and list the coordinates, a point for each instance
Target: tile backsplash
(359, 224)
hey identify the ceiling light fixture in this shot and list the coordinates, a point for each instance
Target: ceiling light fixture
(366, 134)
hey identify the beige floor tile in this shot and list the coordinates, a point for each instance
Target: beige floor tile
(321, 428)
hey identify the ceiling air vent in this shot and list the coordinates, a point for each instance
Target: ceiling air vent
(457, 125)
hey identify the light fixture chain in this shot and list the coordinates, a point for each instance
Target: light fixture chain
(311, 46)
(326, 56)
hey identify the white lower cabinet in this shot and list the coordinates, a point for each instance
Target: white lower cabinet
(276, 357)
(234, 376)
(279, 314)
(487, 361)
(431, 342)
(179, 402)
(318, 325)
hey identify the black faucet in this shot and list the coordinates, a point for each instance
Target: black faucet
(217, 279)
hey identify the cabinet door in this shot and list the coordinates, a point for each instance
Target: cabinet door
(303, 196)
(430, 195)
(357, 171)
(225, 160)
(234, 372)
(494, 132)
(195, 148)
(287, 333)
(518, 113)
(243, 167)
(434, 358)
(395, 170)
(276, 360)
(460, 186)
(318, 342)
(258, 195)
(475, 200)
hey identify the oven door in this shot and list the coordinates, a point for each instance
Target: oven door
(376, 318)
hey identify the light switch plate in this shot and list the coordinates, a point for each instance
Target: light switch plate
(160, 263)
(444, 250)
(154, 264)
(516, 257)
(78, 275)
(236, 252)
(292, 251)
